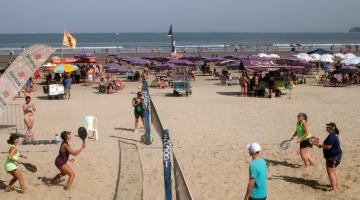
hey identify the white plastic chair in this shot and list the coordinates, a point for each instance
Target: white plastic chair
(91, 126)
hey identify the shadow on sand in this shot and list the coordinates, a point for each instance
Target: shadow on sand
(125, 129)
(229, 93)
(2, 185)
(126, 139)
(6, 126)
(47, 181)
(301, 181)
(49, 98)
(283, 163)
(212, 79)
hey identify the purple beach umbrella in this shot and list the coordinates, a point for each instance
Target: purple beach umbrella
(213, 59)
(115, 68)
(165, 66)
(347, 70)
(181, 62)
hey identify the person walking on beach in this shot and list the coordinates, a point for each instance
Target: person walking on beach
(67, 86)
(332, 153)
(11, 164)
(244, 81)
(139, 112)
(62, 159)
(256, 189)
(303, 134)
(29, 109)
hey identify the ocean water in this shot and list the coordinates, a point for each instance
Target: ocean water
(160, 41)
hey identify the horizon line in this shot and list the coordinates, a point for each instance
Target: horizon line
(196, 32)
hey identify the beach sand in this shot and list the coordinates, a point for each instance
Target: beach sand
(209, 130)
(97, 167)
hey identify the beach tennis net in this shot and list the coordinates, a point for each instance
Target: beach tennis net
(181, 186)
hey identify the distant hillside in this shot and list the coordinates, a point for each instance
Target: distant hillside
(355, 29)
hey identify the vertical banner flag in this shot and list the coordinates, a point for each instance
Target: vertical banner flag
(23, 67)
(167, 164)
(173, 46)
(146, 97)
(69, 40)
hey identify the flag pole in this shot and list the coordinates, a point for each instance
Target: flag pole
(61, 47)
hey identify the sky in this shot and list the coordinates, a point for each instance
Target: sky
(99, 16)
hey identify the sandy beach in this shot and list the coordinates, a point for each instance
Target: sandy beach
(209, 130)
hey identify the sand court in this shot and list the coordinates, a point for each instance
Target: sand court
(209, 131)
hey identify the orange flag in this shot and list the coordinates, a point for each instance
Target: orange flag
(69, 40)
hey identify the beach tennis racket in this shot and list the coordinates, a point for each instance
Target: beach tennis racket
(32, 168)
(82, 133)
(285, 144)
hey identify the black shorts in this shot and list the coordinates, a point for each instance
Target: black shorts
(333, 162)
(305, 144)
(139, 114)
(251, 198)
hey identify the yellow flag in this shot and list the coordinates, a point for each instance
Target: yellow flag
(69, 40)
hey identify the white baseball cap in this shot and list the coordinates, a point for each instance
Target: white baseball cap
(253, 147)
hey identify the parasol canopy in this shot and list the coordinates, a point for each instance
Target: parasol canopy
(61, 68)
(347, 70)
(320, 52)
(115, 68)
(352, 61)
(349, 56)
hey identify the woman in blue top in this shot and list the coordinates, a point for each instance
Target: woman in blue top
(332, 153)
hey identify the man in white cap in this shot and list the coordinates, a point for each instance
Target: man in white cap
(256, 189)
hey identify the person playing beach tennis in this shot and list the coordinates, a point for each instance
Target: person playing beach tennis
(139, 112)
(61, 160)
(332, 153)
(29, 109)
(256, 189)
(304, 136)
(11, 164)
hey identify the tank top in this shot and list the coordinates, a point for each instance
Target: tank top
(63, 155)
(301, 132)
(138, 108)
(9, 164)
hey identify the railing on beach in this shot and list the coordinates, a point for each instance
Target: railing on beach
(12, 117)
(181, 186)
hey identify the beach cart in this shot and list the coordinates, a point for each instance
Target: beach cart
(181, 81)
(54, 91)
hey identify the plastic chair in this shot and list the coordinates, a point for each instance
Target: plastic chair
(91, 126)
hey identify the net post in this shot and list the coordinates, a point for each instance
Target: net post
(145, 91)
(167, 164)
